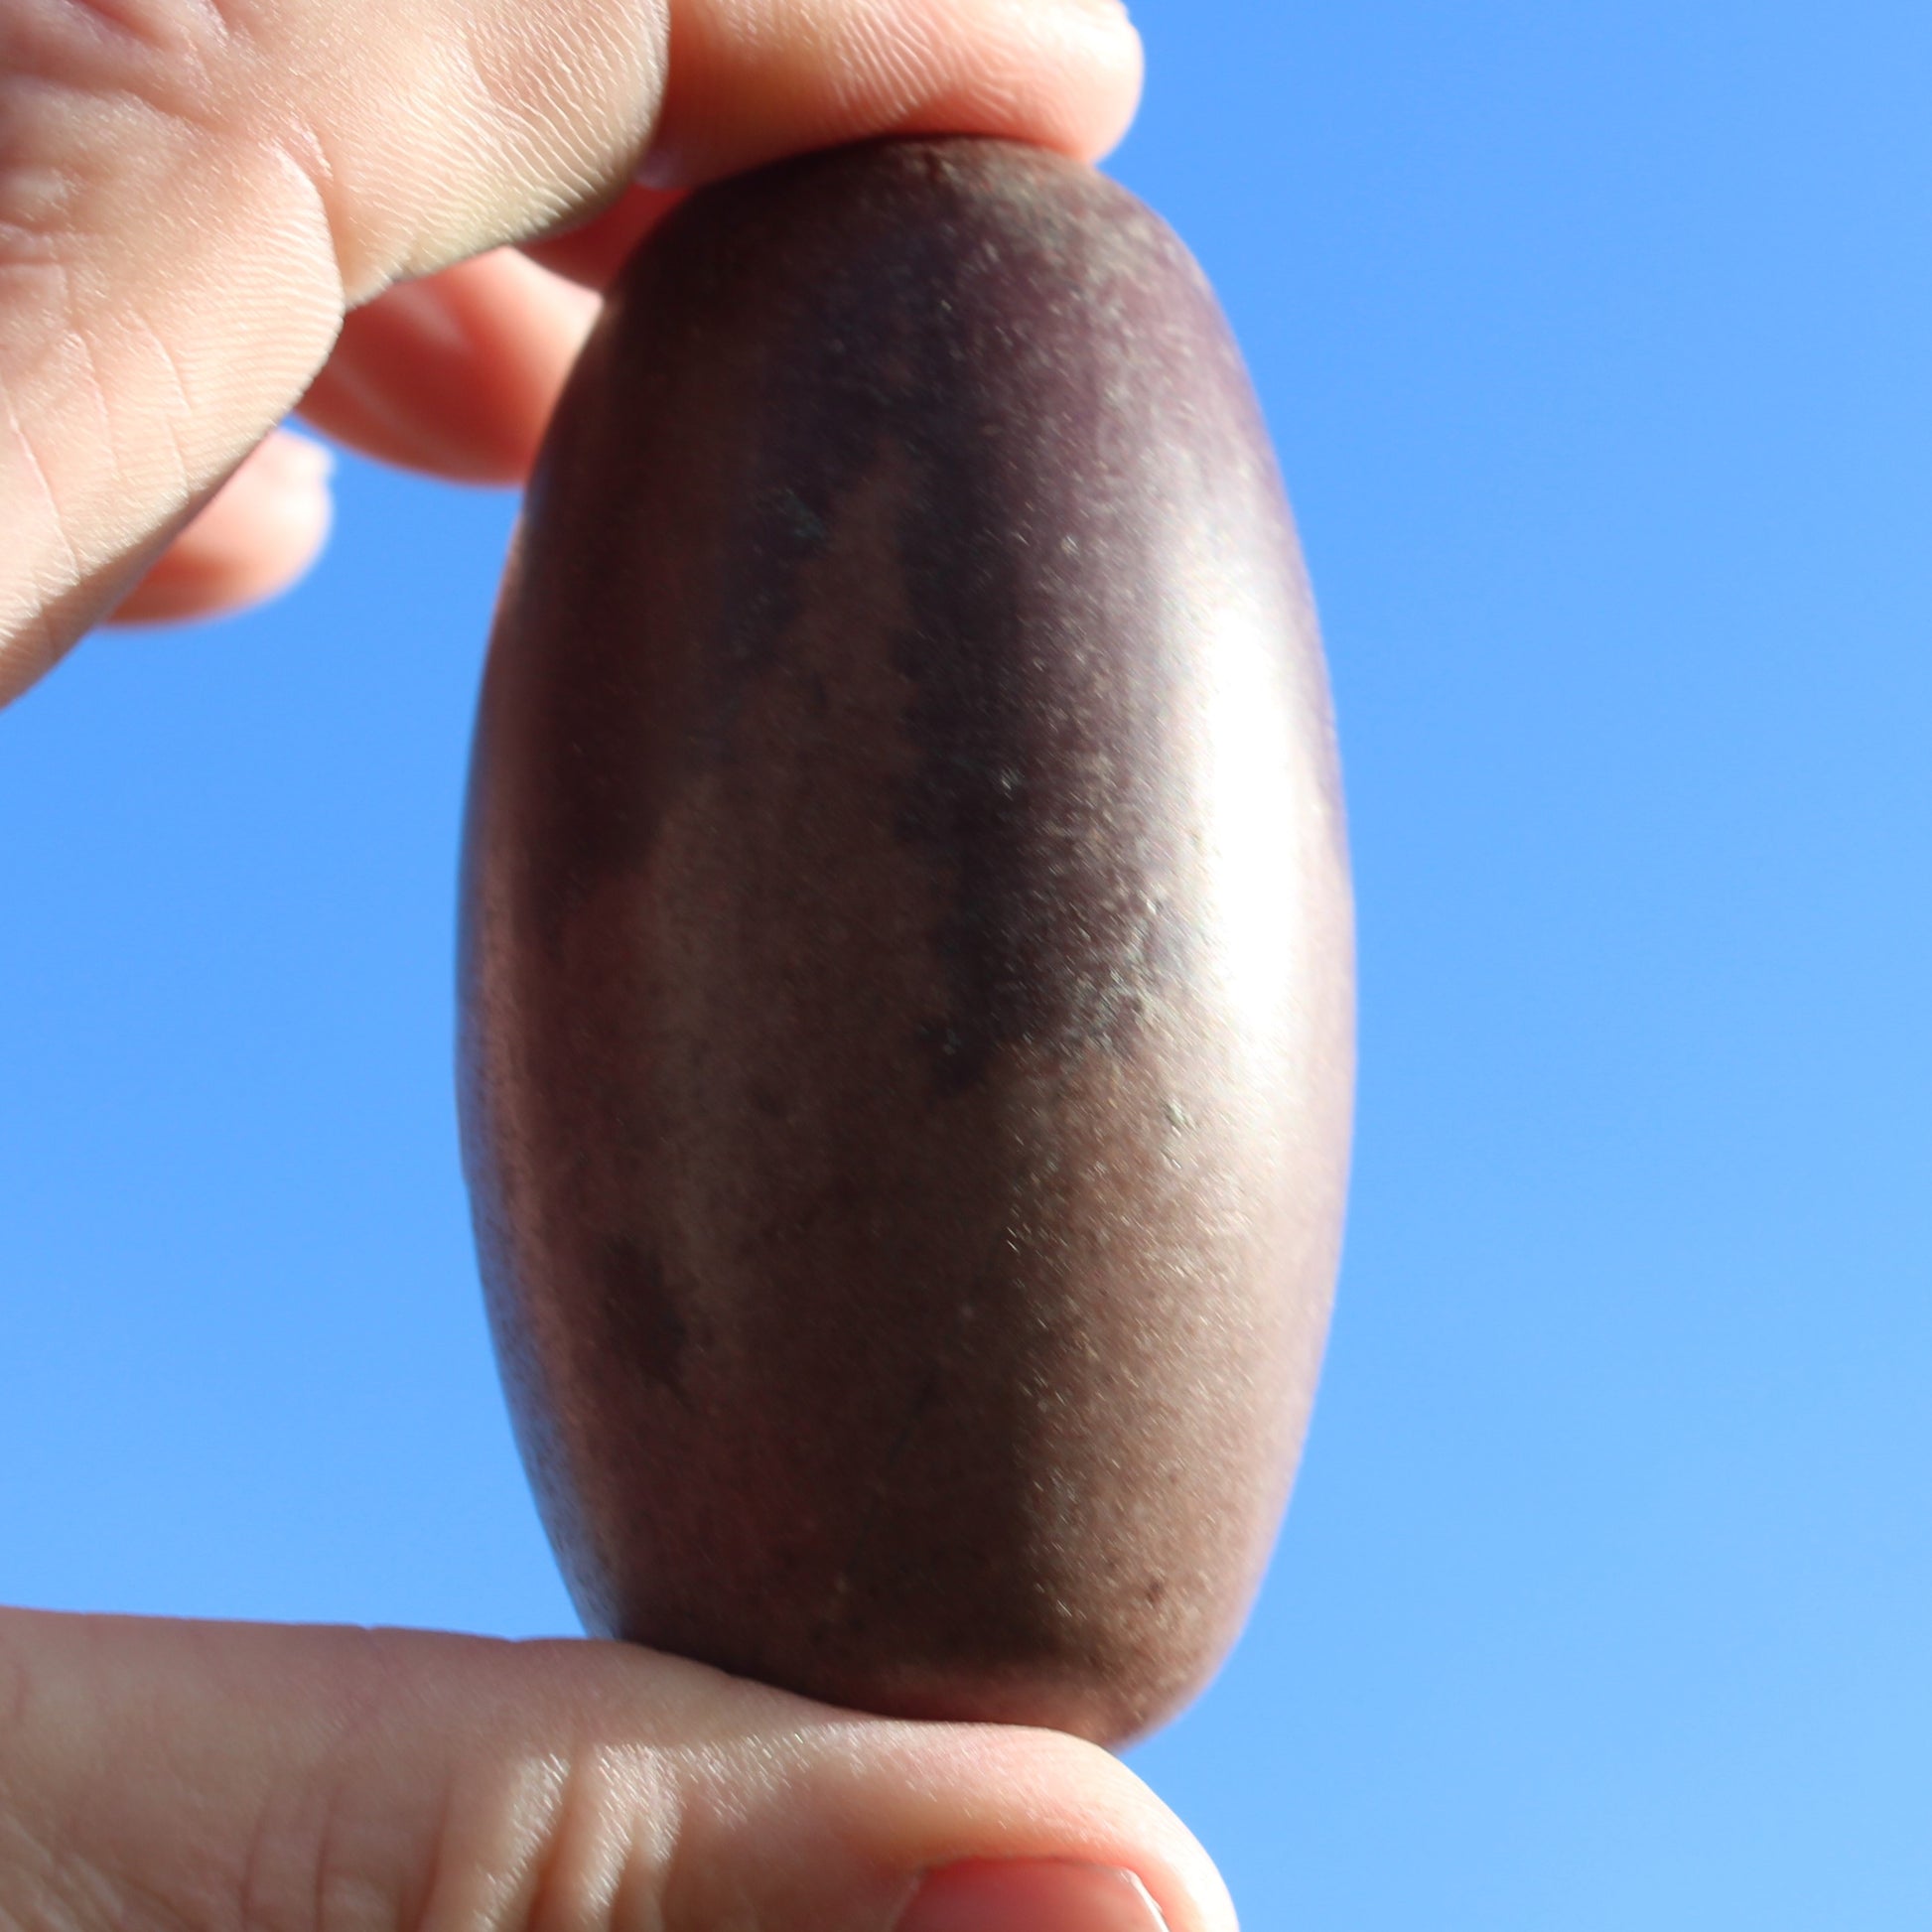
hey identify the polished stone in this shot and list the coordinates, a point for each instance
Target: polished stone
(906, 969)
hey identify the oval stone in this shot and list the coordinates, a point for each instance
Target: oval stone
(906, 965)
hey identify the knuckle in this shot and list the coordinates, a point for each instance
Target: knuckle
(581, 1845)
(164, 55)
(91, 92)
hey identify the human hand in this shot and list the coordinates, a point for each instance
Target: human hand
(194, 193)
(228, 1778)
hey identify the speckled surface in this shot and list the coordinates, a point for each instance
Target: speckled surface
(907, 983)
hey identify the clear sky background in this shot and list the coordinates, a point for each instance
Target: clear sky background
(1595, 340)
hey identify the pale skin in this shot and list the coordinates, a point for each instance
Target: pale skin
(392, 215)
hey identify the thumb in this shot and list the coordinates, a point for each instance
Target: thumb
(228, 1776)
(192, 193)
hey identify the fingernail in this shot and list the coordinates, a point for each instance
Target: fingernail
(1031, 1895)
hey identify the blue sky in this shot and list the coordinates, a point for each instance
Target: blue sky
(1595, 340)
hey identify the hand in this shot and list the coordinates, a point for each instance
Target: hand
(227, 1778)
(194, 193)
(388, 210)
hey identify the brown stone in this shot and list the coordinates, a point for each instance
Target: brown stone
(906, 954)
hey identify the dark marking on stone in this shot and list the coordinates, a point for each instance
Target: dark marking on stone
(642, 1326)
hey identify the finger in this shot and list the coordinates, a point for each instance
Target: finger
(193, 195)
(260, 531)
(455, 374)
(752, 79)
(332, 1781)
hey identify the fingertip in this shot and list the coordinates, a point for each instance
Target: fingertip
(750, 83)
(1103, 41)
(984, 1816)
(259, 533)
